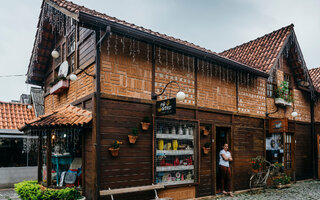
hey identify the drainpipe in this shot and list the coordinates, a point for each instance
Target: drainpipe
(313, 136)
(98, 103)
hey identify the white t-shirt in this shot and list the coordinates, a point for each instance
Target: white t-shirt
(222, 161)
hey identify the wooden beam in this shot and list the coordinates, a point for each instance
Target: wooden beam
(131, 189)
(63, 10)
(49, 152)
(40, 157)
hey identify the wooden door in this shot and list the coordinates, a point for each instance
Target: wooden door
(206, 162)
(318, 147)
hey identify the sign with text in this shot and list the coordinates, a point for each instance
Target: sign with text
(166, 107)
(278, 125)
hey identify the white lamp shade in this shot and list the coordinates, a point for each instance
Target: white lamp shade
(29, 107)
(55, 54)
(180, 96)
(73, 77)
(294, 114)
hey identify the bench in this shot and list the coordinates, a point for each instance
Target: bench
(132, 189)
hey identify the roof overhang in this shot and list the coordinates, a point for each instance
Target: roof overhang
(94, 22)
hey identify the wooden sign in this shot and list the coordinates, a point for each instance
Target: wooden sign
(166, 107)
(278, 125)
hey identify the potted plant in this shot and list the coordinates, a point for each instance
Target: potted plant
(206, 148)
(206, 130)
(145, 123)
(134, 136)
(59, 84)
(114, 149)
(256, 163)
(283, 95)
(282, 181)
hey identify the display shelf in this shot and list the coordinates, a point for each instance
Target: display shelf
(174, 168)
(175, 152)
(177, 182)
(174, 136)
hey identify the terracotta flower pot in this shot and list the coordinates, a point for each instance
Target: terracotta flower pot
(205, 131)
(114, 152)
(145, 126)
(132, 139)
(205, 150)
(255, 170)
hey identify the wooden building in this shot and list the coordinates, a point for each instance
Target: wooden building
(120, 66)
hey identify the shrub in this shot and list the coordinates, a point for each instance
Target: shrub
(33, 191)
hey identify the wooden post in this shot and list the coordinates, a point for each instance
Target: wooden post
(39, 156)
(49, 152)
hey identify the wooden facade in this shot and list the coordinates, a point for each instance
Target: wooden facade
(229, 97)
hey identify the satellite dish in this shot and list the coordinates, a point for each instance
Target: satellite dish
(63, 70)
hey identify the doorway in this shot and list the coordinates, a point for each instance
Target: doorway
(222, 137)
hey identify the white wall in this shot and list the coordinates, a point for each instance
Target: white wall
(12, 175)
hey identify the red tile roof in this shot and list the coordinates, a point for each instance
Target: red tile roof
(262, 52)
(14, 115)
(315, 77)
(66, 116)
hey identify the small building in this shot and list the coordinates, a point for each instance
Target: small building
(102, 76)
(18, 152)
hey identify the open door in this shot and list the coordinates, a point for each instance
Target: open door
(223, 136)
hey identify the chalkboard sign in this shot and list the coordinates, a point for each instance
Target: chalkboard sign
(166, 107)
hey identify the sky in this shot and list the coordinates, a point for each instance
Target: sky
(213, 24)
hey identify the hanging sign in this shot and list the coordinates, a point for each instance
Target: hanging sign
(166, 107)
(278, 125)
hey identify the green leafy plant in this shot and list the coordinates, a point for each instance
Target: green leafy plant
(134, 131)
(116, 144)
(146, 119)
(33, 191)
(283, 92)
(282, 180)
(207, 127)
(57, 79)
(207, 145)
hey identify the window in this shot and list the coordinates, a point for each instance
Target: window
(71, 42)
(271, 88)
(71, 63)
(59, 59)
(175, 151)
(288, 151)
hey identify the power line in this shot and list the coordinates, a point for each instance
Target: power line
(16, 75)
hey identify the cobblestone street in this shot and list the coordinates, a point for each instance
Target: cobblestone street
(300, 190)
(8, 194)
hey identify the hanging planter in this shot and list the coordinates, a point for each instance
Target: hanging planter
(145, 123)
(114, 149)
(59, 85)
(134, 136)
(205, 130)
(283, 95)
(206, 148)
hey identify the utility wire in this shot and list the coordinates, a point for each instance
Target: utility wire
(5, 76)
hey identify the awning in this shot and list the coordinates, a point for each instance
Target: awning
(67, 116)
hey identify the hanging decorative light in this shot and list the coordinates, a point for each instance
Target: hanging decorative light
(29, 107)
(294, 114)
(55, 54)
(180, 96)
(73, 77)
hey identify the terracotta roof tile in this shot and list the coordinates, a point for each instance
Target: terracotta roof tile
(13, 115)
(66, 116)
(262, 52)
(315, 77)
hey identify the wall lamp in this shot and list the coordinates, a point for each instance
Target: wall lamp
(180, 95)
(293, 114)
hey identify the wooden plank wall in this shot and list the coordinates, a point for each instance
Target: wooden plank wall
(89, 165)
(205, 187)
(248, 142)
(87, 50)
(133, 167)
(304, 168)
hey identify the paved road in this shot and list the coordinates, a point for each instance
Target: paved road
(8, 194)
(300, 190)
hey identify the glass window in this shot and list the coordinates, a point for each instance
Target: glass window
(71, 43)
(175, 151)
(71, 62)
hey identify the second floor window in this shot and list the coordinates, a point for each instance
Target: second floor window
(71, 42)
